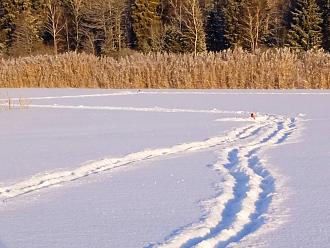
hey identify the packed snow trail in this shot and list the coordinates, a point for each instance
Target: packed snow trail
(164, 92)
(46, 180)
(247, 190)
(134, 109)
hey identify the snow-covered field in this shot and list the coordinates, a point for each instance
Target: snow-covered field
(125, 168)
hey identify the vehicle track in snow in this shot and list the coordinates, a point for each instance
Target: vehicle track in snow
(163, 92)
(39, 182)
(247, 186)
(246, 191)
(133, 109)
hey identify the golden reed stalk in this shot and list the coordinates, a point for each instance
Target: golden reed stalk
(269, 69)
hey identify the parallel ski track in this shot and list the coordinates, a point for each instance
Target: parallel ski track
(246, 189)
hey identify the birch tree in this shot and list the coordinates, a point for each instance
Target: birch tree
(187, 15)
(54, 23)
(255, 23)
(76, 8)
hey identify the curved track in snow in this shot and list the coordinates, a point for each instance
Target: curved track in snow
(47, 180)
(245, 192)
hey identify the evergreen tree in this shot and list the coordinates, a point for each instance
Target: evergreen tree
(147, 25)
(279, 23)
(174, 40)
(2, 31)
(104, 27)
(215, 31)
(184, 26)
(305, 31)
(8, 14)
(232, 10)
(325, 7)
(20, 26)
(25, 27)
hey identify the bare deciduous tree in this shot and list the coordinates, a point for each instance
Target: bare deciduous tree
(102, 24)
(255, 22)
(54, 25)
(76, 10)
(189, 16)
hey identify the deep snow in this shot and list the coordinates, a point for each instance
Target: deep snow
(169, 169)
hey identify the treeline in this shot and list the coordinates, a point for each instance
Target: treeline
(115, 27)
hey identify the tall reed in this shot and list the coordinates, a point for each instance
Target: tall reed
(269, 69)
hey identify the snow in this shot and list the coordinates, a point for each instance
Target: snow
(160, 168)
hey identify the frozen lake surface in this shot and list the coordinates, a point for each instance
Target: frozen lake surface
(160, 168)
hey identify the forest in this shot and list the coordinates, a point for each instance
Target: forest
(112, 27)
(165, 43)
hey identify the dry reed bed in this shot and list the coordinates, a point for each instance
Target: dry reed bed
(276, 68)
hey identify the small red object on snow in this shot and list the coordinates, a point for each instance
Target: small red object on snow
(253, 115)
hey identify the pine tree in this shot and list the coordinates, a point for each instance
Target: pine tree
(147, 25)
(305, 31)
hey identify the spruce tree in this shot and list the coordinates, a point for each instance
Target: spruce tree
(232, 11)
(174, 40)
(147, 25)
(215, 31)
(279, 23)
(8, 14)
(325, 7)
(305, 31)
(21, 24)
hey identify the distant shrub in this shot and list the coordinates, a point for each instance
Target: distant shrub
(269, 69)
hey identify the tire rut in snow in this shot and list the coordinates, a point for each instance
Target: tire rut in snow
(47, 180)
(247, 191)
